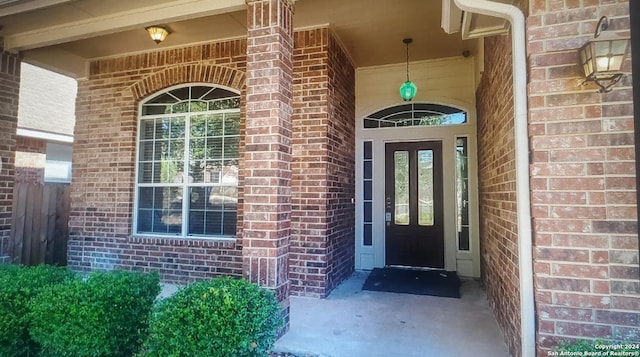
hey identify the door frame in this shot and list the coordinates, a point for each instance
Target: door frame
(467, 263)
(438, 176)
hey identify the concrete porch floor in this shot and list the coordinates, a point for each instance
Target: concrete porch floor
(356, 323)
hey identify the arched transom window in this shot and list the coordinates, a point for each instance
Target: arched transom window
(187, 163)
(415, 114)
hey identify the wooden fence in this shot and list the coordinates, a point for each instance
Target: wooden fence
(39, 231)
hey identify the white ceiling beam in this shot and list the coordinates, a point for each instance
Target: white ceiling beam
(29, 6)
(451, 17)
(122, 21)
(60, 61)
(469, 31)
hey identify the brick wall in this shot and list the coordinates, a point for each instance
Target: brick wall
(496, 163)
(341, 166)
(308, 252)
(9, 92)
(583, 177)
(104, 164)
(31, 157)
(321, 252)
(322, 169)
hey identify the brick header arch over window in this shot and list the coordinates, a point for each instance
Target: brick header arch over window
(191, 73)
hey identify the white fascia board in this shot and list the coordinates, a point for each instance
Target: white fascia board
(44, 135)
(103, 25)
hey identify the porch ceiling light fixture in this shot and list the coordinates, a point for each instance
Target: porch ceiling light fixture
(157, 33)
(408, 90)
(602, 57)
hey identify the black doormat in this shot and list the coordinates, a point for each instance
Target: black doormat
(409, 281)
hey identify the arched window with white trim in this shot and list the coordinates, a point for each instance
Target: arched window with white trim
(187, 163)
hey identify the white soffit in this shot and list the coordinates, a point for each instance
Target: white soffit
(102, 24)
(473, 25)
(10, 7)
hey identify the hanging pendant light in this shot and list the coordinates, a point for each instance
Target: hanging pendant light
(408, 90)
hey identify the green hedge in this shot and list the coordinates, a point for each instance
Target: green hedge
(105, 316)
(216, 318)
(18, 286)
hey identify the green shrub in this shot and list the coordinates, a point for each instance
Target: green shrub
(216, 318)
(598, 346)
(18, 285)
(105, 316)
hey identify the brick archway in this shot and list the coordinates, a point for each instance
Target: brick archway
(189, 73)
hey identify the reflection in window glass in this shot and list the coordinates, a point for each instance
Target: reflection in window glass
(401, 174)
(425, 187)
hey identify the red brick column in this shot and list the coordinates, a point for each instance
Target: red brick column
(267, 188)
(583, 180)
(9, 90)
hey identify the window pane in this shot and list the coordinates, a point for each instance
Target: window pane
(161, 211)
(145, 172)
(170, 171)
(425, 187)
(367, 234)
(145, 197)
(145, 220)
(197, 171)
(462, 193)
(198, 126)
(368, 150)
(232, 124)
(197, 149)
(198, 106)
(401, 174)
(231, 145)
(180, 107)
(368, 211)
(229, 223)
(212, 210)
(214, 148)
(368, 190)
(215, 125)
(147, 128)
(368, 169)
(177, 128)
(213, 224)
(146, 151)
(230, 172)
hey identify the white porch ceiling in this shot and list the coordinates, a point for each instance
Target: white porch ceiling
(63, 34)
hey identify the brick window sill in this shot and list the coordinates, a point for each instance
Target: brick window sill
(217, 242)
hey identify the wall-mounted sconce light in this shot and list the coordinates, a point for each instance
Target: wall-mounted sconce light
(602, 57)
(157, 33)
(408, 90)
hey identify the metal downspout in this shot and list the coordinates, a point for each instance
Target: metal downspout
(523, 198)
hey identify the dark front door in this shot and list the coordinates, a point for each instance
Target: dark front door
(413, 204)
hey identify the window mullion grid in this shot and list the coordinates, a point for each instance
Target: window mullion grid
(224, 119)
(187, 173)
